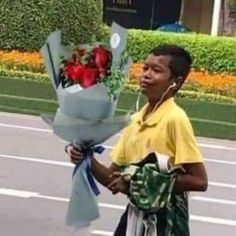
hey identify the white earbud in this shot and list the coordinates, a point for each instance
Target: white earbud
(173, 85)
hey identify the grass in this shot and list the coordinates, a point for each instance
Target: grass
(195, 109)
(27, 88)
(210, 111)
(220, 131)
(37, 106)
(30, 97)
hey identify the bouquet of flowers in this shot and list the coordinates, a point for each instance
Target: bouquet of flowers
(87, 66)
(87, 79)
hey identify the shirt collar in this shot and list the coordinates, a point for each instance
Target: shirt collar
(157, 115)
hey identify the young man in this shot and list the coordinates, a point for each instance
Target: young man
(161, 126)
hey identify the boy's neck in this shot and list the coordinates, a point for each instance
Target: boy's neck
(154, 104)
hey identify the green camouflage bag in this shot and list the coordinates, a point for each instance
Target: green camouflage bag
(151, 191)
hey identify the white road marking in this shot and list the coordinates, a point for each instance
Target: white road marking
(220, 161)
(100, 232)
(112, 206)
(59, 199)
(213, 200)
(223, 185)
(104, 205)
(17, 193)
(67, 164)
(26, 194)
(220, 147)
(38, 160)
(218, 221)
(25, 128)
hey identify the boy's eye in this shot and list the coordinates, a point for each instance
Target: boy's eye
(156, 70)
(145, 68)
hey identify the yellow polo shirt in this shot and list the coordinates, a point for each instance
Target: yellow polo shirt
(167, 131)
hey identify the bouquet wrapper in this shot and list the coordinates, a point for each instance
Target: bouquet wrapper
(92, 103)
(83, 204)
(51, 52)
(87, 132)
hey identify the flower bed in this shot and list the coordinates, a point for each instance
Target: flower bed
(202, 81)
(30, 66)
(21, 61)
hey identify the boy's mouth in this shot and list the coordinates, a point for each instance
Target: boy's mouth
(144, 84)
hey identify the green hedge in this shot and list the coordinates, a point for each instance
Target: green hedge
(215, 54)
(24, 75)
(25, 24)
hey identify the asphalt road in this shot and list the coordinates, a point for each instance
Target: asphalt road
(35, 181)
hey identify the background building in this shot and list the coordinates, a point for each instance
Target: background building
(215, 17)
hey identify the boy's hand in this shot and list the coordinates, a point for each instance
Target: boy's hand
(118, 184)
(74, 152)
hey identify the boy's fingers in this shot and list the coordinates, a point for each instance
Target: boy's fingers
(76, 146)
(75, 157)
(73, 147)
(115, 191)
(74, 161)
(112, 184)
(115, 174)
(75, 152)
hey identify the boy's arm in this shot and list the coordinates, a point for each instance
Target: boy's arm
(194, 178)
(188, 155)
(102, 173)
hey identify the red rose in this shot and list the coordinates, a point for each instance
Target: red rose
(102, 72)
(90, 77)
(81, 52)
(101, 57)
(77, 54)
(74, 71)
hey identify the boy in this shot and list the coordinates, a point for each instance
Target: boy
(161, 126)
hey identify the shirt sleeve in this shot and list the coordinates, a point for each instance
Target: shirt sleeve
(183, 141)
(118, 154)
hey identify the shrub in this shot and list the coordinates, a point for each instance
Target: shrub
(199, 96)
(25, 24)
(214, 54)
(24, 75)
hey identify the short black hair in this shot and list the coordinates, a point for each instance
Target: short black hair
(180, 62)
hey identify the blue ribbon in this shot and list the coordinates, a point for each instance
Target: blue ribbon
(87, 155)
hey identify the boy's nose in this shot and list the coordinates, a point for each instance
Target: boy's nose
(146, 74)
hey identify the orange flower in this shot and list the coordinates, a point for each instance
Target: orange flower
(198, 80)
(134, 73)
(21, 60)
(219, 82)
(202, 78)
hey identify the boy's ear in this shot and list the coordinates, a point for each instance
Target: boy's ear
(178, 81)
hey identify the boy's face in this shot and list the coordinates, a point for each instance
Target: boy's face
(156, 76)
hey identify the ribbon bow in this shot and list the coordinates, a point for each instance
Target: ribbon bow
(87, 155)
